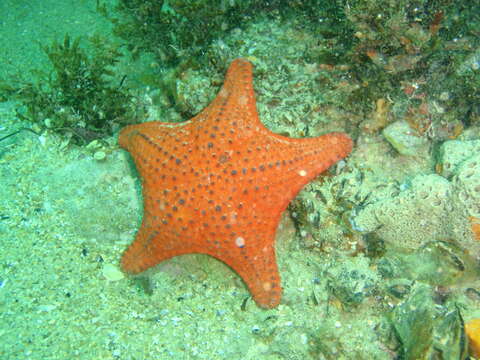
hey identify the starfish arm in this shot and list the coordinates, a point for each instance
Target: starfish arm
(250, 252)
(152, 246)
(259, 272)
(234, 108)
(286, 166)
(261, 277)
(237, 92)
(310, 157)
(145, 251)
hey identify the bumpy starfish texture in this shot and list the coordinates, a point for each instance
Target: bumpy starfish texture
(218, 183)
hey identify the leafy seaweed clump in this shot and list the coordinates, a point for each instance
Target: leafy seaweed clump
(175, 30)
(79, 97)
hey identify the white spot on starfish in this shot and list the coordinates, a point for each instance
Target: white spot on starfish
(240, 242)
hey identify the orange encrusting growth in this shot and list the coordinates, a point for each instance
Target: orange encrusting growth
(218, 183)
(472, 329)
(475, 225)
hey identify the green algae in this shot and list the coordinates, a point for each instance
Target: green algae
(78, 98)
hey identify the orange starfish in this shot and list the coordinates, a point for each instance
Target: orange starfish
(218, 183)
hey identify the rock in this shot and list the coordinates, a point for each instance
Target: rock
(100, 156)
(112, 273)
(405, 140)
(454, 152)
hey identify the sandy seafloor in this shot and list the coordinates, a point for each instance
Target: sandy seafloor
(66, 218)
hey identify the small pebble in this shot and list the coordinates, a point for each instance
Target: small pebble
(112, 273)
(47, 308)
(99, 155)
(48, 123)
(95, 144)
